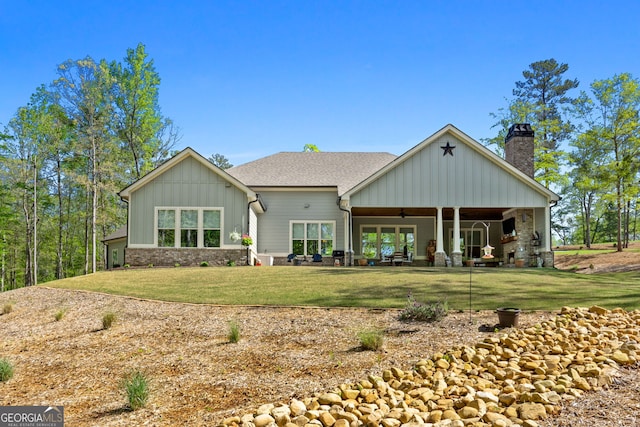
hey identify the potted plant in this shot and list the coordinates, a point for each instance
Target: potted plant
(246, 240)
(508, 316)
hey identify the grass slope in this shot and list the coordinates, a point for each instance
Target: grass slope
(385, 287)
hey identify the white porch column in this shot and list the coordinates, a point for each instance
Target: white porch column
(456, 253)
(439, 255)
(547, 225)
(456, 230)
(439, 231)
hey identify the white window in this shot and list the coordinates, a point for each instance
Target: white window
(211, 228)
(383, 240)
(189, 227)
(312, 237)
(166, 228)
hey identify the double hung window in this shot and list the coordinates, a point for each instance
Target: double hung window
(188, 227)
(310, 238)
(166, 228)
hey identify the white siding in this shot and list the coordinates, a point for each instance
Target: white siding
(467, 179)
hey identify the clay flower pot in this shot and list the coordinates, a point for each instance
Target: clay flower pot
(508, 317)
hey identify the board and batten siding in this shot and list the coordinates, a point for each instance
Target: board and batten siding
(286, 206)
(188, 184)
(466, 179)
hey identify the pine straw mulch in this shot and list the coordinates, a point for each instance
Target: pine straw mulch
(613, 262)
(198, 378)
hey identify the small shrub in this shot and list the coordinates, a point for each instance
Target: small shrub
(176, 265)
(60, 314)
(234, 332)
(371, 339)
(127, 266)
(137, 387)
(231, 263)
(107, 319)
(204, 264)
(150, 265)
(6, 370)
(8, 308)
(430, 312)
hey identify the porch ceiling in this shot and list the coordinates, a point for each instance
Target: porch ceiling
(466, 214)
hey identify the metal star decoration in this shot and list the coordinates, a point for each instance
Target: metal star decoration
(448, 149)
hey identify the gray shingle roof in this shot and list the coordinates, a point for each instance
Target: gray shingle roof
(118, 234)
(310, 169)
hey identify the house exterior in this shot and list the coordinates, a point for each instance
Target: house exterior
(368, 206)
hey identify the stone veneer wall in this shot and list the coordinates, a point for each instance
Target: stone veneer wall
(326, 262)
(183, 256)
(524, 231)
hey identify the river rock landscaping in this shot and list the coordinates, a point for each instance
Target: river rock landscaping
(515, 378)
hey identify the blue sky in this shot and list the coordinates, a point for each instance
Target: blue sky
(250, 78)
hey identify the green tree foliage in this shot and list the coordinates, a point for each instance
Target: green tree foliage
(137, 115)
(541, 99)
(220, 161)
(518, 111)
(311, 148)
(611, 139)
(66, 154)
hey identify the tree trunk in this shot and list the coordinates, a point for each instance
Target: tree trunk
(35, 224)
(619, 208)
(94, 206)
(59, 270)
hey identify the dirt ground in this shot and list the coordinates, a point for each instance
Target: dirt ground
(599, 263)
(198, 378)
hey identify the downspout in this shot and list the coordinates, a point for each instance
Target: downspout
(350, 252)
(126, 241)
(249, 225)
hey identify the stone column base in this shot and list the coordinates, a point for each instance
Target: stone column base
(456, 259)
(547, 259)
(440, 259)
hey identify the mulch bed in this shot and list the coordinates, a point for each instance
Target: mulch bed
(198, 378)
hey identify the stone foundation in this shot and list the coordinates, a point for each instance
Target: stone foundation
(326, 262)
(456, 259)
(169, 257)
(440, 259)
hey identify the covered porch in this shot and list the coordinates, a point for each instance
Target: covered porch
(425, 236)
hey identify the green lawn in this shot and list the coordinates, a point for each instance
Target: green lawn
(387, 287)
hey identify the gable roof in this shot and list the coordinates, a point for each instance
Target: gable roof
(342, 170)
(120, 233)
(471, 143)
(187, 152)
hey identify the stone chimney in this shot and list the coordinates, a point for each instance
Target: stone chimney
(518, 147)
